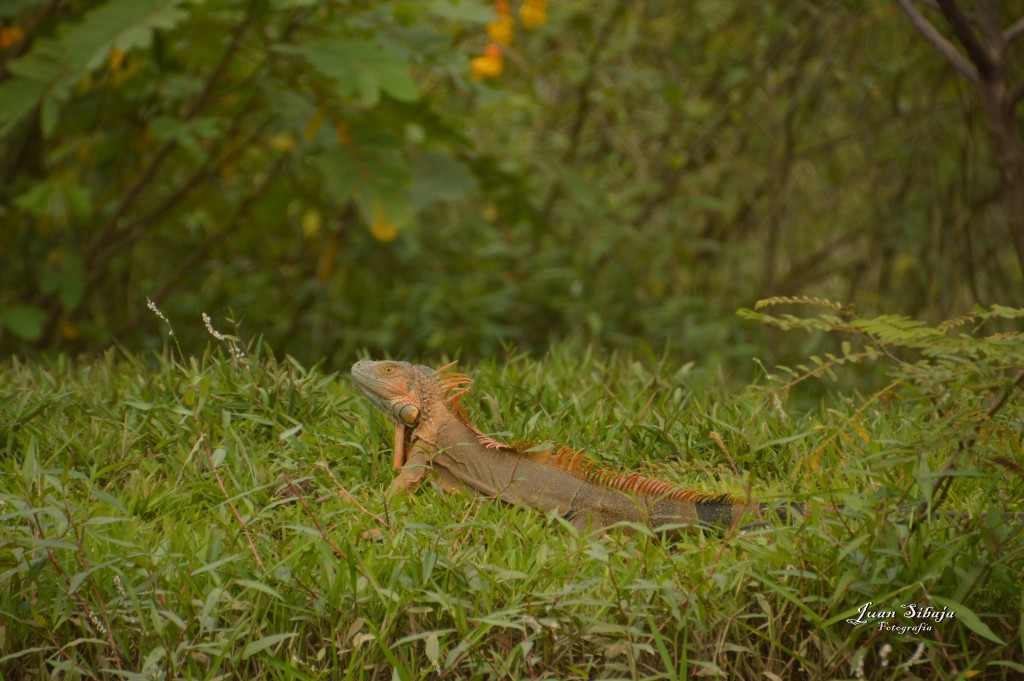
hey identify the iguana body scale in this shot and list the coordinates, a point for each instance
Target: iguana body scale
(434, 439)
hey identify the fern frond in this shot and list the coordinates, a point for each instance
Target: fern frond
(956, 323)
(1007, 312)
(898, 330)
(1007, 336)
(804, 300)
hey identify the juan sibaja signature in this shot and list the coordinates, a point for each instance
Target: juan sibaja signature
(923, 615)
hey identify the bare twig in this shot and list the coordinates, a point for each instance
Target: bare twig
(938, 41)
(348, 495)
(962, 28)
(146, 176)
(473, 507)
(106, 236)
(203, 250)
(1015, 30)
(583, 102)
(227, 497)
(135, 229)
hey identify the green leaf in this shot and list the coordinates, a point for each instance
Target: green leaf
(58, 200)
(42, 65)
(154, 658)
(76, 581)
(432, 648)
(187, 134)
(339, 171)
(29, 465)
(969, 618)
(260, 586)
(71, 282)
(441, 178)
(1015, 666)
(118, 25)
(470, 11)
(17, 98)
(1007, 312)
(359, 66)
(52, 67)
(219, 455)
(24, 321)
(9, 8)
(383, 207)
(264, 643)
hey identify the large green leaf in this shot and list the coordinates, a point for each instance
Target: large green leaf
(24, 321)
(440, 178)
(262, 644)
(9, 8)
(969, 618)
(360, 66)
(17, 98)
(340, 173)
(54, 65)
(471, 11)
(120, 25)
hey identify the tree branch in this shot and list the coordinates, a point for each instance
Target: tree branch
(147, 175)
(202, 251)
(583, 102)
(1015, 31)
(944, 47)
(962, 28)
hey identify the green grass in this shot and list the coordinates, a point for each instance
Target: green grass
(149, 530)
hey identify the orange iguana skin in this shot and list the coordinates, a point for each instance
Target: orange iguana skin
(433, 438)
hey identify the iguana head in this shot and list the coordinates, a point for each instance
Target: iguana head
(414, 396)
(393, 387)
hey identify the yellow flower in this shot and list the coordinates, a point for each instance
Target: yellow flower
(68, 330)
(382, 229)
(502, 30)
(534, 13)
(488, 66)
(10, 36)
(115, 60)
(282, 142)
(311, 222)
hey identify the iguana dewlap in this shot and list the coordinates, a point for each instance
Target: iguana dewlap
(434, 438)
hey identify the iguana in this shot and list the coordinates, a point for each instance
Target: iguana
(434, 438)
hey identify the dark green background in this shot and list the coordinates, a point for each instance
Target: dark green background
(637, 172)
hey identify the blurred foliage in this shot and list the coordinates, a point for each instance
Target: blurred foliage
(459, 175)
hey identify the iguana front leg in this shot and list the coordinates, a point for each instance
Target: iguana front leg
(398, 451)
(416, 469)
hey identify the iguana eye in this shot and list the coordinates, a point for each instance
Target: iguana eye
(388, 370)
